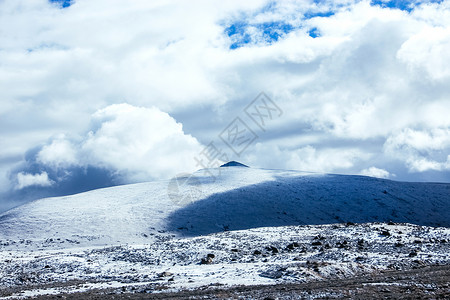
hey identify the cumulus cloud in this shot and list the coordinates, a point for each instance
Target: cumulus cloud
(306, 158)
(143, 143)
(59, 153)
(376, 172)
(124, 144)
(360, 83)
(425, 51)
(26, 180)
(421, 150)
(134, 143)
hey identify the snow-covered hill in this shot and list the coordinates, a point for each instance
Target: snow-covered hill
(169, 235)
(236, 198)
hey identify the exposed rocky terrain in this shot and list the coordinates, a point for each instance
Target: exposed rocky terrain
(276, 258)
(232, 232)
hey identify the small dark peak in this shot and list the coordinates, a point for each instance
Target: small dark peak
(233, 164)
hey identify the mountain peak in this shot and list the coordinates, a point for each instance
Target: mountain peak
(233, 164)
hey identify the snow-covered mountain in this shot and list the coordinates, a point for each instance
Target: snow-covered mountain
(225, 227)
(235, 198)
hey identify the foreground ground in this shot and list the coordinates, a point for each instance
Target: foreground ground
(431, 282)
(338, 261)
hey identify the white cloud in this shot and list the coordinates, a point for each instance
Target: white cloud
(26, 180)
(376, 172)
(421, 150)
(305, 158)
(60, 153)
(325, 160)
(347, 96)
(421, 164)
(142, 143)
(136, 143)
(426, 50)
(421, 140)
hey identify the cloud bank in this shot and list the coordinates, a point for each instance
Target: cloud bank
(25, 180)
(96, 93)
(125, 144)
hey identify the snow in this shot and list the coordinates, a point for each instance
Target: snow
(152, 237)
(174, 263)
(236, 198)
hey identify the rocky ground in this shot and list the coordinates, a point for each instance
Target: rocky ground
(336, 261)
(431, 282)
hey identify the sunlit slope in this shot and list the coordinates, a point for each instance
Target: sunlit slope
(237, 198)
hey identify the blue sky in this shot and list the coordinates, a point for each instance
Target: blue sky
(401, 5)
(62, 3)
(98, 93)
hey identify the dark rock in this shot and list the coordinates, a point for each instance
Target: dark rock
(208, 259)
(342, 244)
(273, 249)
(316, 243)
(412, 254)
(385, 233)
(165, 274)
(256, 252)
(293, 245)
(273, 274)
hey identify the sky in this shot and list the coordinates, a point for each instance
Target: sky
(95, 93)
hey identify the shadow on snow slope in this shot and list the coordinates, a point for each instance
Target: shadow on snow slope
(315, 200)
